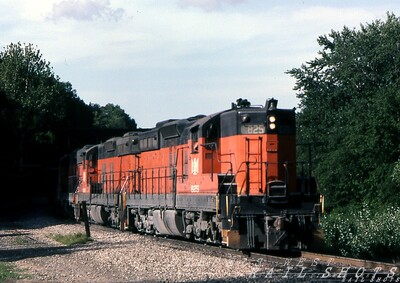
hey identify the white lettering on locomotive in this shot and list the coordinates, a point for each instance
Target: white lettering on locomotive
(256, 129)
(195, 166)
(195, 188)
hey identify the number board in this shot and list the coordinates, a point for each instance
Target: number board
(252, 129)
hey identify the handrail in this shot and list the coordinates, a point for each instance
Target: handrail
(239, 171)
(123, 186)
(77, 185)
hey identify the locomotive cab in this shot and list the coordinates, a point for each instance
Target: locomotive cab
(260, 143)
(86, 167)
(260, 206)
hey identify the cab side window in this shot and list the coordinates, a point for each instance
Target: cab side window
(195, 139)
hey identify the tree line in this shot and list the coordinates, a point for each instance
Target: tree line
(350, 115)
(42, 118)
(350, 110)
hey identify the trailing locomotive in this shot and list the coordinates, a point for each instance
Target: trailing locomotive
(227, 178)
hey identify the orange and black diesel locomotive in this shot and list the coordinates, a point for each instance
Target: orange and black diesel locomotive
(227, 178)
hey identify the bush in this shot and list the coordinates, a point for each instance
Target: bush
(364, 232)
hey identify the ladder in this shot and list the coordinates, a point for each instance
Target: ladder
(254, 164)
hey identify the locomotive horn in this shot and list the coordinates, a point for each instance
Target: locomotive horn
(271, 104)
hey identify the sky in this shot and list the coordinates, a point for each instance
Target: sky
(168, 59)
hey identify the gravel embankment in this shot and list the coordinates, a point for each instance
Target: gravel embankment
(112, 256)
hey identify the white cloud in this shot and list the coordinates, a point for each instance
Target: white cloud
(85, 10)
(208, 5)
(164, 53)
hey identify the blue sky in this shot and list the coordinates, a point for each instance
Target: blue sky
(179, 58)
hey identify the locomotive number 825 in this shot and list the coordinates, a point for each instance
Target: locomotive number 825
(227, 178)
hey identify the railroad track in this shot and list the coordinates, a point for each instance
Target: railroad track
(289, 257)
(299, 267)
(316, 266)
(355, 263)
(295, 266)
(303, 266)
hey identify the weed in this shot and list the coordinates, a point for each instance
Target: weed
(71, 239)
(21, 240)
(9, 271)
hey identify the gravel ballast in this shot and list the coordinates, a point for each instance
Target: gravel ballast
(112, 256)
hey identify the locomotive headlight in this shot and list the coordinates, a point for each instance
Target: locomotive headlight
(272, 120)
(272, 126)
(245, 118)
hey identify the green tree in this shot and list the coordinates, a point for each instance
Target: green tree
(42, 118)
(7, 122)
(112, 116)
(31, 86)
(349, 111)
(76, 127)
(77, 113)
(396, 173)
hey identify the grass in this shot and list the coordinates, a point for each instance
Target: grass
(9, 271)
(71, 239)
(21, 240)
